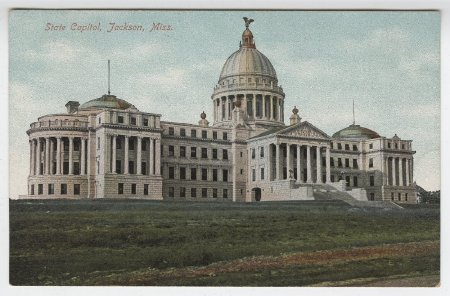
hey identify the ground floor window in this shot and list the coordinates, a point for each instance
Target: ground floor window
(63, 189)
(225, 193)
(51, 188)
(355, 181)
(76, 189)
(204, 192)
(392, 196)
(32, 189)
(182, 192)
(193, 192)
(145, 189)
(118, 167)
(171, 192)
(372, 180)
(399, 196)
(40, 188)
(406, 196)
(332, 178)
(133, 188)
(214, 192)
(120, 188)
(372, 196)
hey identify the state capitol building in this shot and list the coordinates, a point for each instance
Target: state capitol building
(107, 148)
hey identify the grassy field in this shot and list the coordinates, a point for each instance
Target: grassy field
(135, 242)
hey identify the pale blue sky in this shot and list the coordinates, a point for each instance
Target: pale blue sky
(388, 62)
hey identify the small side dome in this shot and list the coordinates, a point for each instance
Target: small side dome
(108, 102)
(356, 132)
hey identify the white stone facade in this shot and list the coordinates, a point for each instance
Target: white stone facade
(106, 148)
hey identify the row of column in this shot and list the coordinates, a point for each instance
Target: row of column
(154, 155)
(223, 107)
(308, 162)
(36, 158)
(398, 175)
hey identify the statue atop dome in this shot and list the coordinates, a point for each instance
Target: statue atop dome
(247, 21)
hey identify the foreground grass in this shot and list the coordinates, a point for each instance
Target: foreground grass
(116, 241)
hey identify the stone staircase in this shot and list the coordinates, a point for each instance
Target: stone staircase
(328, 192)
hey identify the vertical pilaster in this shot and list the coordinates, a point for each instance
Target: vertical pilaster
(151, 159)
(328, 166)
(47, 156)
(319, 165)
(394, 172)
(83, 156)
(158, 157)
(407, 172)
(52, 149)
(308, 164)
(400, 171)
(277, 161)
(114, 154)
(126, 160)
(269, 163)
(263, 102)
(288, 160)
(32, 157)
(58, 155)
(38, 157)
(70, 155)
(139, 156)
(271, 108)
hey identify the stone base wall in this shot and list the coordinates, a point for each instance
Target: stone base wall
(56, 181)
(108, 186)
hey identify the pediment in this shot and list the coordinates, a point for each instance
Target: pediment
(304, 130)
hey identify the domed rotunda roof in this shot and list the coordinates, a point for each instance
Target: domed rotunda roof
(247, 60)
(107, 101)
(356, 132)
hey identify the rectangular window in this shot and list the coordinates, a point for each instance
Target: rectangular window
(339, 162)
(193, 174)
(215, 135)
(193, 133)
(332, 145)
(403, 146)
(389, 145)
(171, 150)
(205, 174)
(51, 188)
(392, 196)
(118, 143)
(370, 162)
(372, 180)
(145, 189)
(225, 136)
(182, 173)
(182, 151)
(225, 175)
(63, 188)
(215, 175)
(225, 193)
(65, 145)
(262, 173)
(347, 181)
(171, 131)
(119, 119)
(32, 189)
(253, 153)
(182, 192)
(182, 132)
(253, 175)
(204, 192)
(120, 188)
(145, 122)
(372, 196)
(204, 152)
(40, 189)
(204, 134)
(76, 189)
(370, 146)
(214, 153)
(406, 196)
(133, 188)
(225, 154)
(76, 146)
(131, 167)
(118, 166)
(261, 152)
(171, 173)
(214, 192)
(347, 163)
(347, 147)
(171, 192)
(193, 192)
(339, 146)
(355, 181)
(399, 195)
(144, 146)
(355, 148)
(76, 168)
(133, 120)
(193, 152)
(143, 168)
(332, 162)
(355, 163)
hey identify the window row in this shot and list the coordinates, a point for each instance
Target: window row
(203, 192)
(133, 188)
(203, 174)
(261, 152)
(346, 146)
(193, 133)
(51, 189)
(205, 153)
(399, 196)
(132, 119)
(342, 162)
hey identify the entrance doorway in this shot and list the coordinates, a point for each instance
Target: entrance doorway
(256, 193)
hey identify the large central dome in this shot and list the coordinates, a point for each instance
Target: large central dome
(247, 61)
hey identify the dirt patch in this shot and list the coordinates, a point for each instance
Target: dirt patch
(328, 257)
